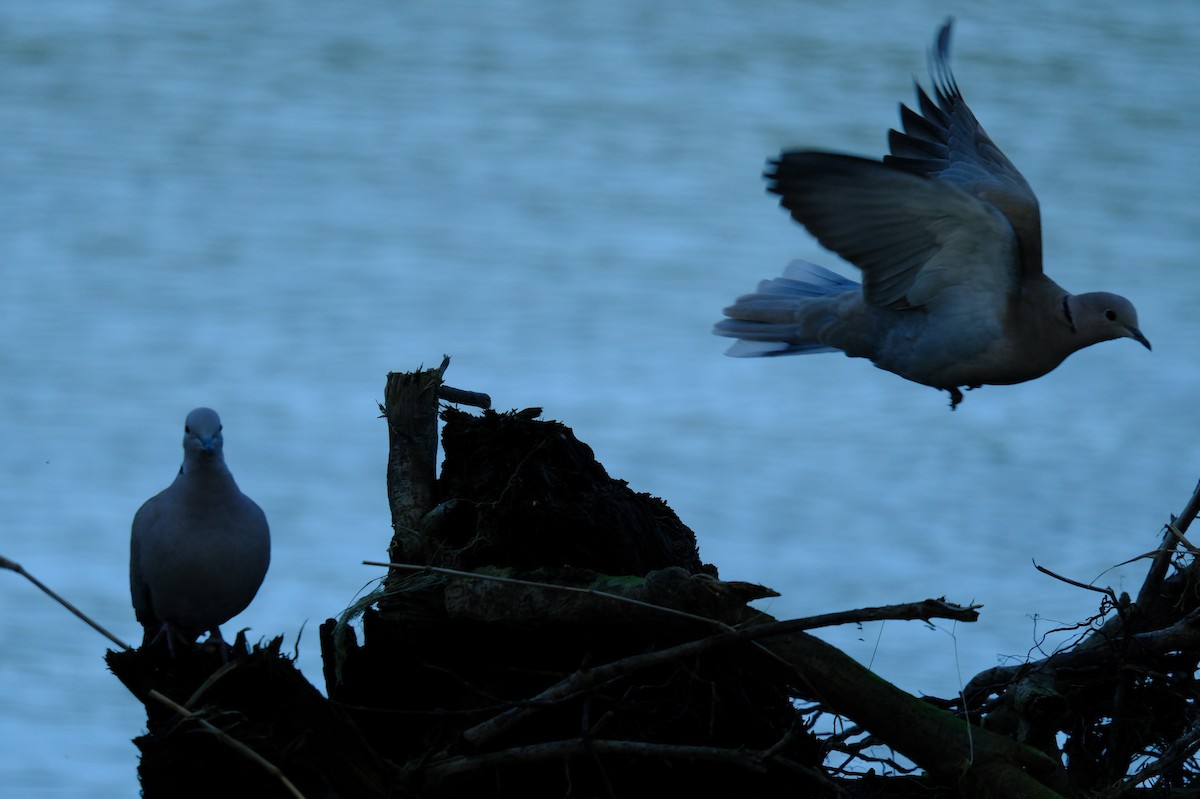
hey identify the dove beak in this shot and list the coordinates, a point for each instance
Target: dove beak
(1137, 336)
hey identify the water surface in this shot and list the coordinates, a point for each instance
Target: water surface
(265, 211)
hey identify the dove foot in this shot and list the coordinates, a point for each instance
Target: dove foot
(167, 634)
(215, 639)
(172, 638)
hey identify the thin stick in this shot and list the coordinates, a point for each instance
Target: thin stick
(497, 578)
(229, 740)
(1154, 553)
(1170, 758)
(1108, 592)
(910, 611)
(1175, 530)
(11, 565)
(745, 758)
(212, 679)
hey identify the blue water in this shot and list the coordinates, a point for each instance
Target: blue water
(265, 208)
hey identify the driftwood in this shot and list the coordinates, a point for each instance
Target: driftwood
(543, 630)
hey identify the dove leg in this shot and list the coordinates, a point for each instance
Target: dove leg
(165, 632)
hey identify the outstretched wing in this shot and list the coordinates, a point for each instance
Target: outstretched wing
(946, 215)
(945, 141)
(913, 237)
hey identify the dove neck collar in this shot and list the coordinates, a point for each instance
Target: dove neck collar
(1066, 309)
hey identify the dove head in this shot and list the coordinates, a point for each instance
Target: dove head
(202, 435)
(1100, 316)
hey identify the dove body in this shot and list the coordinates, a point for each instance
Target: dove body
(947, 234)
(200, 548)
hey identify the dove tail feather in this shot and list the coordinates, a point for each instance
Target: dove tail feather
(776, 319)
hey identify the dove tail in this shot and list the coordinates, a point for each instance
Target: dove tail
(778, 318)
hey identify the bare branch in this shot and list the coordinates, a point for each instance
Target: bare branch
(12, 565)
(1108, 592)
(1171, 757)
(580, 680)
(1175, 530)
(749, 759)
(924, 610)
(499, 578)
(228, 740)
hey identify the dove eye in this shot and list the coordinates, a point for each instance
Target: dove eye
(187, 429)
(1110, 315)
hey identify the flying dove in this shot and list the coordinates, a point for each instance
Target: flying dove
(948, 237)
(200, 548)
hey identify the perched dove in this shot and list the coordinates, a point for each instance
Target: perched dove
(948, 237)
(200, 548)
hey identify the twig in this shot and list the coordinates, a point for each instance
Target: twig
(749, 759)
(229, 740)
(994, 680)
(910, 611)
(11, 565)
(1154, 553)
(1182, 635)
(1119, 744)
(794, 730)
(212, 679)
(498, 578)
(1175, 531)
(1108, 592)
(1158, 569)
(859, 756)
(1171, 757)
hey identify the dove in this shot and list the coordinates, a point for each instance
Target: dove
(200, 548)
(947, 235)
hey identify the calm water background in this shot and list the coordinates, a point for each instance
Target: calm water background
(265, 207)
